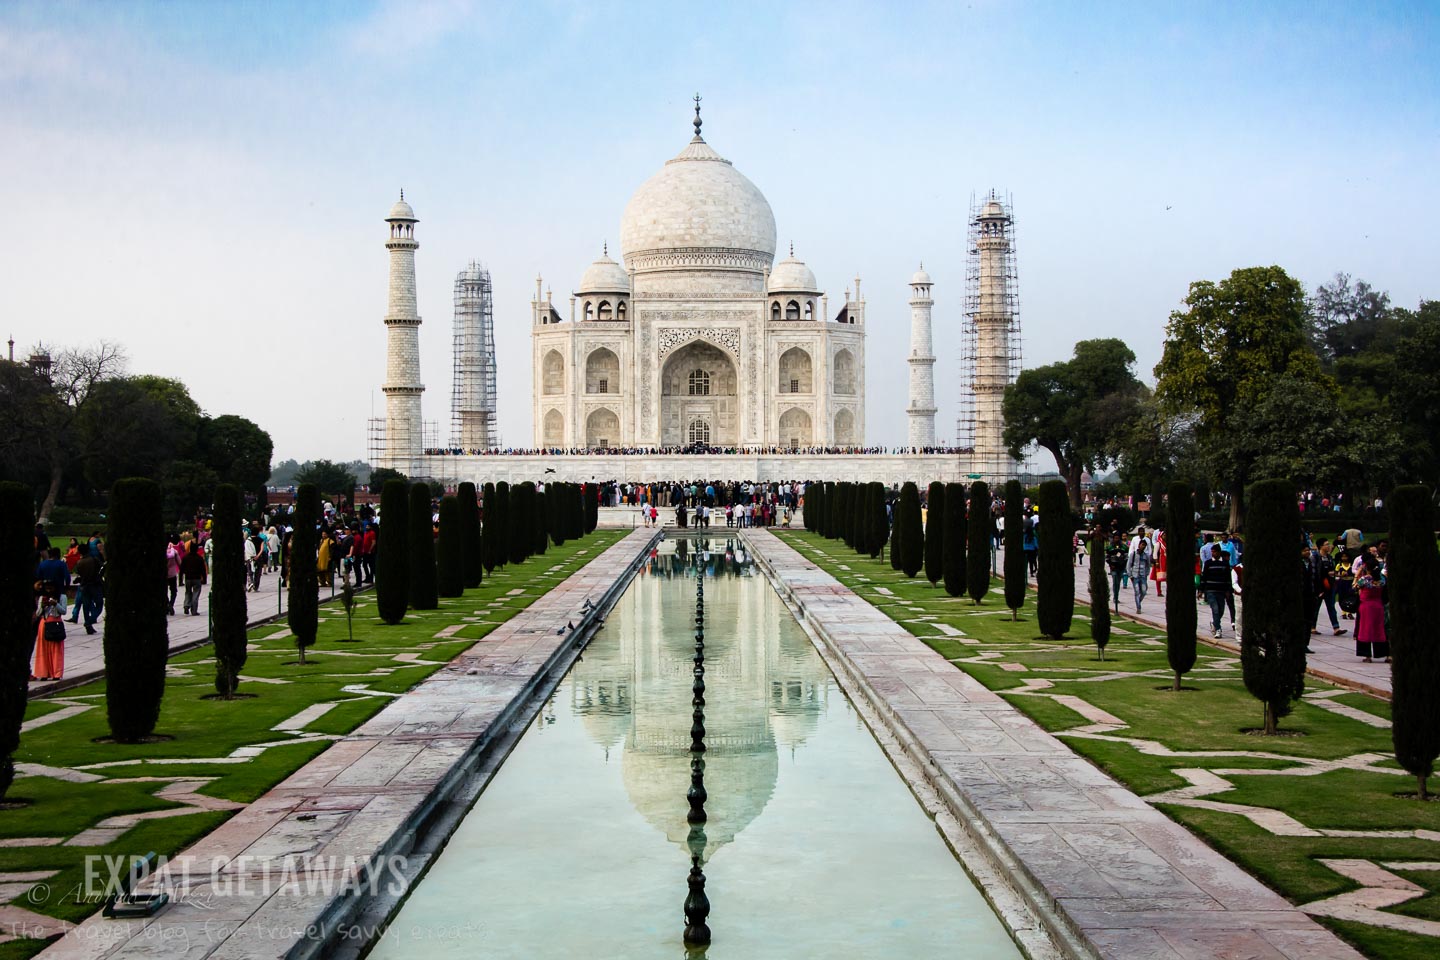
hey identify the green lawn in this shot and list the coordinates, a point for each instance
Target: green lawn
(207, 733)
(1204, 727)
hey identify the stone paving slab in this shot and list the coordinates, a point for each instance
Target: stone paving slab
(1093, 858)
(263, 883)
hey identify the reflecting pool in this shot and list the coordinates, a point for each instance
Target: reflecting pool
(812, 845)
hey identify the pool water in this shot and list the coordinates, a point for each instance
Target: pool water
(813, 846)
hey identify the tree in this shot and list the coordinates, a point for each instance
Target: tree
(330, 478)
(1222, 356)
(1078, 409)
(74, 376)
(879, 533)
(911, 535)
(31, 416)
(897, 535)
(392, 574)
(450, 552)
(17, 630)
(954, 533)
(423, 592)
(228, 616)
(137, 640)
(1100, 594)
(1017, 576)
(1274, 634)
(1343, 321)
(1414, 591)
(1055, 581)
(977, 564)
(1179, 562)
(472, 563)
(383, 475)
(491, 536)
(540, 517)
(303, 615)
(237, 450)
(1415, 390)
(592, 508)
(519, 522)
(934, 535)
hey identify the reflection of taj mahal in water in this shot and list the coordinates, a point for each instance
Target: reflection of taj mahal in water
(765, 691)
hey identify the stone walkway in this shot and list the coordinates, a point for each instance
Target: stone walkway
(285, 874)
(1093, 857)
(1334, 657)
(85, 653)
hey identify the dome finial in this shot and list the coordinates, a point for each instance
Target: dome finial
(402, 193)
(792, 248)
(697, 116)
(605, 247)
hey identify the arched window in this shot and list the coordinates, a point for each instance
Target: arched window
(792, 311)
(809, 309)
(700, 386)
(602, 371)
(620, 312)
(604, 312)
(775, 310)
(552, 373)
(844, 374)
(795, 371)
(589, 310)
(844, 428)
(554, 429)
(699, 432)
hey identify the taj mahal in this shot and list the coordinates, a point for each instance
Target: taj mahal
(698, 355)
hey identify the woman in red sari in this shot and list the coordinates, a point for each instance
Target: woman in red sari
(1157, 569)
(1370, 641)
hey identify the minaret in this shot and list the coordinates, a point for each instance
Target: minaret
(922, 363)
(993, 315)
(402, 389)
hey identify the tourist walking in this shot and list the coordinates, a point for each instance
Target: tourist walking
(1371, 642)
(91, 592)
(193, 574)
(1115, 561)
(173, 556)
(1323, 559)
(1138, 567)
(49, 635)
(1215, 585)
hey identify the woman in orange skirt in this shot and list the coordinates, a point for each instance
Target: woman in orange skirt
(49, 654)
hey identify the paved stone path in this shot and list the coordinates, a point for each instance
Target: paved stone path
(292, 862)
(1089, 853)
(85, 654)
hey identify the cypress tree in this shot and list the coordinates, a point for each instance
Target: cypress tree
(856, 515)
(813, 506)
(899, 522)
(472, 549)
(592, 508)
(1414, 591)
(392, 561)
(879, 533)
(450, 553)
(540, 515)
(17, 630)
(954, 533)
(228, 616)
(1179, 558)
(136, 640)
(1017, 577)
(304, 612)
(1100, 597)
(1055, 603)
(912, 536)
(502, 523)
(490, 530)
(843, 527)
(578, 519)
(519, 526)
(423, 592)
(977, 561)
(1274, 634)
(558, 498)
(934, 533)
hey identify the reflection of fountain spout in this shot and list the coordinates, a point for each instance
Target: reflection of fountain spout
(697, 907)
(696, 794)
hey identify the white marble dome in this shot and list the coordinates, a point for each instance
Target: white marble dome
(604, 276)
(697, 202)
(401, 211)
(920, 276)
(792, 276)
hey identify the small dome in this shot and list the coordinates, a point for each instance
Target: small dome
(920, 277)
(792, 276)
(401, 211)
(604, 276)
(993, 209)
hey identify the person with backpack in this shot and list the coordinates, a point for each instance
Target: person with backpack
(1215, 586)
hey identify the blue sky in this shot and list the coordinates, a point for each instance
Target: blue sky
(205, 182)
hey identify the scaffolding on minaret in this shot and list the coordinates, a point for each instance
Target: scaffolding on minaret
(472, 397)
(990, 346)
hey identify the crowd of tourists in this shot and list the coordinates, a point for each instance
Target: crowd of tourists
(690, 449)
